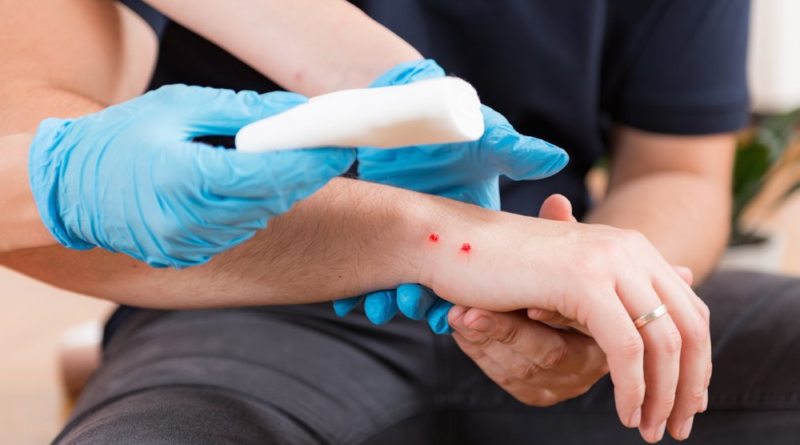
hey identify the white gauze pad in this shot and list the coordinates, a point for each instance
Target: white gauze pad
(434, 111)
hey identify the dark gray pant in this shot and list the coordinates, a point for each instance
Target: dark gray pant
(299, 375)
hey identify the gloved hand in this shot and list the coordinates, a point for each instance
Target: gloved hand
(130, 179)
(467, 172)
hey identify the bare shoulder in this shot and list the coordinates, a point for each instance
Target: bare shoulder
(97, 48)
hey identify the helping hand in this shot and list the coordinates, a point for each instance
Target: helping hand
(130, 179)
(467, 172)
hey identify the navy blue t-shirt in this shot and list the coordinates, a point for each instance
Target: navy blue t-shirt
(559, 70)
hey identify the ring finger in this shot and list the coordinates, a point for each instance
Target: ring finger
(662, 347)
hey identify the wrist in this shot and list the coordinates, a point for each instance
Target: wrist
(453, 239)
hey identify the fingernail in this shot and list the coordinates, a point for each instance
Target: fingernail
(686, 429)
(636, 418)
(705, 401)
(660, 431)
(483, 324)
(457, 312)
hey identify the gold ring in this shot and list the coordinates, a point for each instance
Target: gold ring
(647, 318)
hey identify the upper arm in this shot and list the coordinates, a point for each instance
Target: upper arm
(678, 93)
(307, 46)
(637, 153)
(99, 49)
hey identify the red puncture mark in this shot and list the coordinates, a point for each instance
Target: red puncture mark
(434, 238)
(466, 247)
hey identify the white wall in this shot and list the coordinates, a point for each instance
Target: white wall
(775, 55)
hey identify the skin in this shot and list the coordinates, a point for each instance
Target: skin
(673, 189)
(111, 53)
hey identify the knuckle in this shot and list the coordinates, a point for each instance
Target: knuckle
(665, 404)
(636, 390)
(540, 398)
(696, 396)
(700, 333)
(524, 370)
(632, 346)
(705, 312)
(577, 391)
(554, 356)
(632, 237)
(478, 340)
(504, 379)
(672, 341)
(593, 264)
(549, 399)
(508, 333)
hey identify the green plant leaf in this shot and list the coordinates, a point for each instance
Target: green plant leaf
(756, 159)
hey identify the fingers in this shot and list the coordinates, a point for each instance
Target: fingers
(437, 317)
(662, 346)
(381, 306)
(554, 319)
(662, 369)
(282, 177)
(211, 111)
(695, 360)
(557, 208)
(414, 301)
(516, 156)
(615, 333)
(549, 349)
(346, 305)
(512, 351)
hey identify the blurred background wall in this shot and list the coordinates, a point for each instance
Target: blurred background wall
(775, 55)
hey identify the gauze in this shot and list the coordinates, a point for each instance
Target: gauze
(436, 111)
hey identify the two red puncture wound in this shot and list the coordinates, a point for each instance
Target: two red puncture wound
(434, 238)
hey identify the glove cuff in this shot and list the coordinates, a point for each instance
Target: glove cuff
(408, 72)
(45, 168)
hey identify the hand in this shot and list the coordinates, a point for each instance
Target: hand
(467, 172)
(554, 319)
(602, 278)
(130, 179)
(535, 363)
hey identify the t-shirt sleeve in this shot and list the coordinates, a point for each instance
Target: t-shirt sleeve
(688, 73)
(155, 19)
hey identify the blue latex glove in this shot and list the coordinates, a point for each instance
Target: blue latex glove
(130, 179)
(467, 172)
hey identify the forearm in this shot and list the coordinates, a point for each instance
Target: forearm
(307, 46)
(683, 215)
(349, 238)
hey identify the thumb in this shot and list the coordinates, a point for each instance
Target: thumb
(290, 175)
(211, 111)
(557, 208)
(518, 156)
